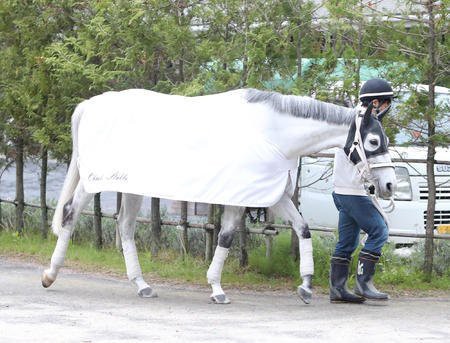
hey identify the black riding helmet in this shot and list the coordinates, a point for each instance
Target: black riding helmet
(376, 89)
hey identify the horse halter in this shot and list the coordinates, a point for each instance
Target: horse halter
(365, 167)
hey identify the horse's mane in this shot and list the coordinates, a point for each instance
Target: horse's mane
(303, 107)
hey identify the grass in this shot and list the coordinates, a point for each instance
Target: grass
(168, 265)
(395, 274)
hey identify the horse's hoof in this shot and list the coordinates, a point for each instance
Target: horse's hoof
(147, 293)
(305, 294)
(46, 280)
(221, 299)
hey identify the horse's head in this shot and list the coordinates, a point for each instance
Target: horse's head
(367, 148)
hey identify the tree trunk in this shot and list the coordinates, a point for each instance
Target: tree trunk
(359, 51)
(43, 191)
(180, 15)
(98, 221)
(299, 56)
(295, 252)
(181, 70)
(20, 197)
(294, 238)
(8, 164)
(431, 151)
(155, 245)
(244, 76)
(429, 229)
(299, 40)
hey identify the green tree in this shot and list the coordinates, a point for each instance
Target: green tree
(20, 40)
(26, 30)
(415, 40)
(419, 42)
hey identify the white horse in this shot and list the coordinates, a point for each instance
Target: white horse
(238, 148)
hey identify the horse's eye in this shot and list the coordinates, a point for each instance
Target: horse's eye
(373, 141)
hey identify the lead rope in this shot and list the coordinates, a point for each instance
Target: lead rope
(383, 210)
(391, 205)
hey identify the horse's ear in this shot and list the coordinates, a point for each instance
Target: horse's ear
(368, 114)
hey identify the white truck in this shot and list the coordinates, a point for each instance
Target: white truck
(409, 215)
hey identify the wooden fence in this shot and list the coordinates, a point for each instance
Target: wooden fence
(212, 227)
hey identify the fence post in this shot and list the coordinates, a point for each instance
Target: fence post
(20, 196)
(209, 234)
(243, 256)
(43, 192)
(118, 205)
(183, 223)
(155, 244)
(98, 221)
(8, 164)
(269, 238)
(269, 245)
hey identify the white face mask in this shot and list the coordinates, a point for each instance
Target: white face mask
(382, 113)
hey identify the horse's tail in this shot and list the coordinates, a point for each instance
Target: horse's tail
(73, 175)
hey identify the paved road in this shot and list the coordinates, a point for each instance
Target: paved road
(93, 308)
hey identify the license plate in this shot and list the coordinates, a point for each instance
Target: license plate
(443, 228)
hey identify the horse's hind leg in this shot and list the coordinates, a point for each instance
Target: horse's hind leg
(230, 220)
(127, 225)
(71, 212)
(286, 210)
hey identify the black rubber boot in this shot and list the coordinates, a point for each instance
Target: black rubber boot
(364, 278)
(338, 280)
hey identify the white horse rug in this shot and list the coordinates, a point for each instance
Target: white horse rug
(212, 149)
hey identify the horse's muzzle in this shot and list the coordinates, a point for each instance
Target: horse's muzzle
(386, 192)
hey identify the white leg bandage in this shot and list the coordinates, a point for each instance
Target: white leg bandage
(59, 254)
(131, 260)
(215, 269)
(306, 257)
(140, 282)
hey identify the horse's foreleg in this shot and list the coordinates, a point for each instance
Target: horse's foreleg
(286, 210)
(71, 212)
(230, 220)
(127, 225)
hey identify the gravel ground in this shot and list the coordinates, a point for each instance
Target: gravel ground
(85, 307)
